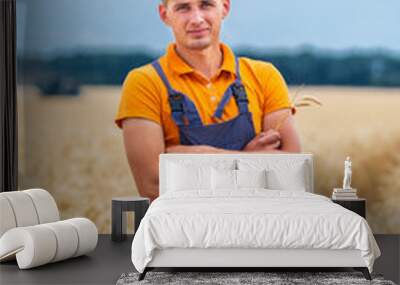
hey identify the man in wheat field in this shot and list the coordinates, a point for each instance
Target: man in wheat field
(200, 98)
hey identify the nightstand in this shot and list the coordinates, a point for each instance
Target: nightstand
(358, 206)
(120, 206)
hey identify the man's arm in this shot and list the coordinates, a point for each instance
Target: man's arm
(268, 141)
(290, 140)
(283, 140)
(144, 141)
(263, 143)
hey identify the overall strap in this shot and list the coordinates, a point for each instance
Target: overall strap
(236, 89)
(237, 67)
(157, 66)
(239, 93)
(180, 105)
(225, 99)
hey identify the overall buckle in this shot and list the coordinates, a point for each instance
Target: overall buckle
(239, 93)
(176, 102)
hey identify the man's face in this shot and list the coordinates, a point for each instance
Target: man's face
(196, 24)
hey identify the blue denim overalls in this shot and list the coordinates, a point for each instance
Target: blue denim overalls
(233, 134)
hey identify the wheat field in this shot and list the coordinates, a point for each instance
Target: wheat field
(71, 147)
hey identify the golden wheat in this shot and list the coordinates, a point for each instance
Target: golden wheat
(71, 147)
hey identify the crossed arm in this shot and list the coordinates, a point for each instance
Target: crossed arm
(144, 142)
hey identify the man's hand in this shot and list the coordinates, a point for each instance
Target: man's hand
(264, 141)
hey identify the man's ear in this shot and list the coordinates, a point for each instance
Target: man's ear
(227, 7)
(162, 11)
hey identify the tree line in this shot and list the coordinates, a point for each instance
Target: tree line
(64, 74)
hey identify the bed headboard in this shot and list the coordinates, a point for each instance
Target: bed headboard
(213, 158)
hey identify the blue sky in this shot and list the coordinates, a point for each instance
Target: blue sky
(57, 25)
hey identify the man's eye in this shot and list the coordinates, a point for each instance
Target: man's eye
(206, 4)
(182, 8)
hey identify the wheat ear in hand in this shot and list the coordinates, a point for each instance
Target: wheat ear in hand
(304, 101)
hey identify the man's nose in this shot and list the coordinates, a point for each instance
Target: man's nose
(197, 17)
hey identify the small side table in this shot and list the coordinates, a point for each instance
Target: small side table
(358, 206)
(121, 205)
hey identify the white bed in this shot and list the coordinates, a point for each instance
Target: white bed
(198, 223)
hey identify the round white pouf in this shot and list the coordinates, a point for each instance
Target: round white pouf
(52, 242)
(6, 215)
(23, 208)
(67, 240)
(34, 245)
(46, 207)
(87, 233)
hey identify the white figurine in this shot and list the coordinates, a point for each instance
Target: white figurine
(347, 174)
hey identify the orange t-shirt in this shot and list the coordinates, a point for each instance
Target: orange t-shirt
(144, 94)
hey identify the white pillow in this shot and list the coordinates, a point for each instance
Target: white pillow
(292, 179)
(181, 177)
(282, 174)
(223, 179)
(251, 178)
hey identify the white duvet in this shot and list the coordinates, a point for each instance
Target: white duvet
(253, 218)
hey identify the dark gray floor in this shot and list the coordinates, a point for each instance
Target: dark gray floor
(103, 266)
(389, 262)
(111, 259)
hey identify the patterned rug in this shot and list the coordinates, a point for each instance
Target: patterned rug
(243, 278)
